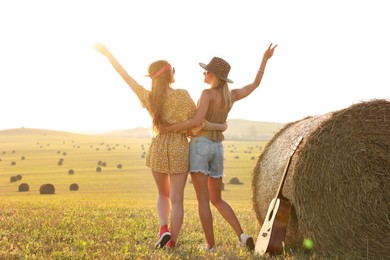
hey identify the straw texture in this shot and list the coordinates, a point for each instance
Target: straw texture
(338, 181)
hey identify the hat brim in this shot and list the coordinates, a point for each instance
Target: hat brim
(204, 66)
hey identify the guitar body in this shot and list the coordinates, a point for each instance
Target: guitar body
(273, 230)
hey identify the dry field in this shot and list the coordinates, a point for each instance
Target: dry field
(112, 213)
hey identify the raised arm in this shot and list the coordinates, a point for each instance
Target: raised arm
(117, 66)
(243, 92)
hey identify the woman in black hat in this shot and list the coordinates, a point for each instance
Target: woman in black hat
(206, 149)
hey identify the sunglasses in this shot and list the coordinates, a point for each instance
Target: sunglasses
(173, 70)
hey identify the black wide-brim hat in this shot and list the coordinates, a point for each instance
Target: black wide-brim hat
(219, 67)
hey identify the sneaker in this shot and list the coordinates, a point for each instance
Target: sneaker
(247, 241)
(165, 236)
(207, 248)
(171, 244)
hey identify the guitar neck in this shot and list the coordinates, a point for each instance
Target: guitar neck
(281, 184)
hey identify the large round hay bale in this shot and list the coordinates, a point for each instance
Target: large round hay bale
(74, 187)
(47, 189)
(24, 187)
(338, 181)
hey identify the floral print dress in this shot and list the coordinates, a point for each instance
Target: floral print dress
(169, 152)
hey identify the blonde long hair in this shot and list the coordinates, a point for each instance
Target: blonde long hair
(222, 86)
(160, 85)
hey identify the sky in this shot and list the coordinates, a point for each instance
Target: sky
(330, 55)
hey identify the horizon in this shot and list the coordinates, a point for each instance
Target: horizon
(108, 131)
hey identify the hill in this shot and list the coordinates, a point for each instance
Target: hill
(33, 131)
(238, 129)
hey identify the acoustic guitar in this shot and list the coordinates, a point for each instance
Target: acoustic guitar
(273, 230)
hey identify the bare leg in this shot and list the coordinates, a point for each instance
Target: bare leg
(178, 182)
(215, 187)
(163, 202)
(199, 181)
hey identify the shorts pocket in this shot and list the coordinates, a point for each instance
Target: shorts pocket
(202, 147)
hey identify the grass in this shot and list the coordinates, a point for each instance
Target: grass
(73, 227)
(113, 214)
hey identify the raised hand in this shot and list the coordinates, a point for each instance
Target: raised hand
(270, 51)
(101, 48)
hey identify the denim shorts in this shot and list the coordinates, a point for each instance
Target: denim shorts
(206, 156)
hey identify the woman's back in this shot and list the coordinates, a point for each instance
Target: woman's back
(217, 112)
(178, 106)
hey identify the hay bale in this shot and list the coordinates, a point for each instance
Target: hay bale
(23, 187)
(18, 177)
(71, 172)
(235, 180)
(13, 179)
(119, 166)
(74, 187)
(47, 189)
(338, 181)
(98, 169)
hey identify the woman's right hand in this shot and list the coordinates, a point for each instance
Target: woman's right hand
(101, 48)
(225, 126)
(163, 129)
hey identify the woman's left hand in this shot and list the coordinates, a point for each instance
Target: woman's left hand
(270, 51)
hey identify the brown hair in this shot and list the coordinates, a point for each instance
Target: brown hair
(223, 88)
(158, 94)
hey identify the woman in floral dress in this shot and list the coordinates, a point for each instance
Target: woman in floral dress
(168, 154)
